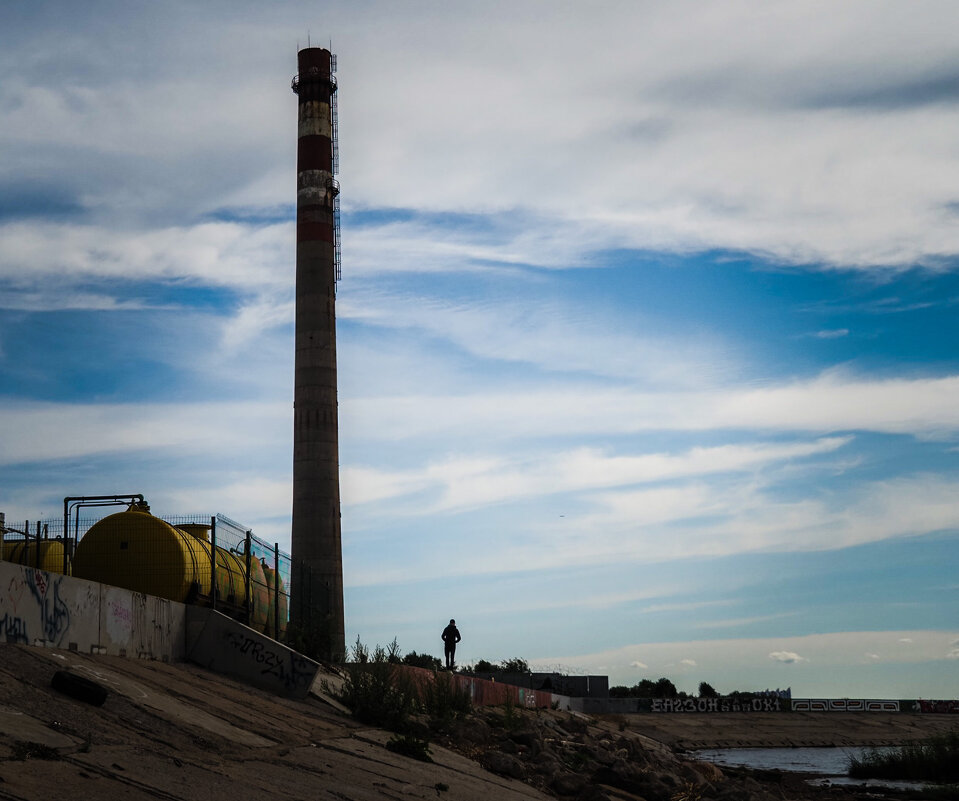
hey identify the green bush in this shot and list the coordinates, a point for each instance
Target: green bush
(410, 746)
(427, 661)
(377, 691)
(381, 693)
(445, 701)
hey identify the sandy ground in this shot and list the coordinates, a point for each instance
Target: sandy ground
(180, 732)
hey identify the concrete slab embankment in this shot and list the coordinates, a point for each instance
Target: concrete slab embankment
(178, 731)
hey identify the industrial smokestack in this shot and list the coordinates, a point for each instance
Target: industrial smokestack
(317, 590)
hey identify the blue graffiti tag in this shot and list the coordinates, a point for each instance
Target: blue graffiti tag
(14, 629)
(54, 614)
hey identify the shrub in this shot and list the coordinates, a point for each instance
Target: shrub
(427, 661)
(515, 665)
(376, 691)
(445, 701)
(935, 759)
(410, 746)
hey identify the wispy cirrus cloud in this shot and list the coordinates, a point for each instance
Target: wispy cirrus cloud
(831, 401)
(213, 254)
(467, 483)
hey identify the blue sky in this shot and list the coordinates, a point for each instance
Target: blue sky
(647, 333)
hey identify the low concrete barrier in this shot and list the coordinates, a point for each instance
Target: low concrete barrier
(56, 611)
(221, 644)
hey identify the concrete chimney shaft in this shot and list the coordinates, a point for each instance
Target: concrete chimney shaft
(317, 593)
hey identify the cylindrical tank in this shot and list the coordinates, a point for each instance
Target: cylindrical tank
(140, 552)
(272, 578)
(24, 552)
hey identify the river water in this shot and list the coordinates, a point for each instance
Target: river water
(829, 762)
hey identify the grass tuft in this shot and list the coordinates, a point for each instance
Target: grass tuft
(933, 760)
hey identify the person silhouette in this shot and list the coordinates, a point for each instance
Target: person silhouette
(451, 636)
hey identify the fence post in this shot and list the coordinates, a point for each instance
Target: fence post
(249, 555)
(37, 558)
(276, 591)
(213, 585)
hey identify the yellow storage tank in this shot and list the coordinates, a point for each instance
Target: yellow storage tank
(231, 577)
(24, 552)
(140, 552)
(260, 594)
(272, 577)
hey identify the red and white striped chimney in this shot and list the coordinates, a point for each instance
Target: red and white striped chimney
(316, 592)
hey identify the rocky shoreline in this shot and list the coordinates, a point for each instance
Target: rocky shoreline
(571, 756)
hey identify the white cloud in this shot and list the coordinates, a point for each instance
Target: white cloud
(688, 662)
(835, 333)
(676, 136)
(216, 254)
(638, 664)
(811, 659)
(700, 519)
(537, 332)
(814, 665)
(832, 401)
(789, 657)
(744, 621)
(465, 483)
(37, 432)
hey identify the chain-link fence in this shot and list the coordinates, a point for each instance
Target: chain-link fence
(209, 560)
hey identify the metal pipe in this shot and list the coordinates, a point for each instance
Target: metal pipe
(213, 584)
(249, 578)
(276, 591)
(77, 502)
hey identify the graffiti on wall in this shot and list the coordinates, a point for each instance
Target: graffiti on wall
(13, 629)
(714, 705)
(152, 624)
(844, 705)
(54, 614)
(34, 609)
(948, 707)
(268, 659)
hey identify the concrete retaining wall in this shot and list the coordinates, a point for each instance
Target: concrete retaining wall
(221, 644)
(56, 611)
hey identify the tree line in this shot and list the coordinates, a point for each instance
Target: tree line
(664, 688)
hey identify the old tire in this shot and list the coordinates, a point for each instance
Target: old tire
(79, 687)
